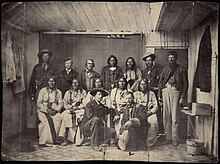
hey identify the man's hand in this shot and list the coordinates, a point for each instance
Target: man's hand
(54, 105)
(181, 101)
(150, 105)
(72, 111)
(52, 112)
(149, 113)
(127, 125)
(116, 118)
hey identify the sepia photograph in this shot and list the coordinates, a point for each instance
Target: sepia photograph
(110, 81)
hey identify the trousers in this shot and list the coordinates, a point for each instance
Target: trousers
(94, 128)
(171, 98)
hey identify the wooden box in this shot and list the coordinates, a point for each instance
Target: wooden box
(201, 109)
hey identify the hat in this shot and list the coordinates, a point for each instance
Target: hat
(149, 55)
(67, 59)
(44, 51)
(123, 140)
(172, 53)
(94, 91)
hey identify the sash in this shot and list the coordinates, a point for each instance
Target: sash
(52, 128)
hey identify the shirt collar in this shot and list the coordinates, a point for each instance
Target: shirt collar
(68, 70)
(97, 102)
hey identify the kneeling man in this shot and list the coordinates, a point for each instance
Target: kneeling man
(93, 121)
(134, 126)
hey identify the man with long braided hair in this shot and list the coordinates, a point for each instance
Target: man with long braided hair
(73, 108)
(49, 104)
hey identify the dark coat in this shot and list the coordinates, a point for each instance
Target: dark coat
(180, 80)
(64, 80)
(105, 75)
(41, 76)
(83, 79)
(202, 78)
(153, 77)
(139, 112)
(93, 109)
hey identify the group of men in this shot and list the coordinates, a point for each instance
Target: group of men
(65, 117)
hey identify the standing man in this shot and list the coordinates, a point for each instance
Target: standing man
(93, 120)
(134, 126)
(40, 74)
(89, 75)
(65, 77)
(173, 84)
(111, 73)
(132, 73)
(151, 73)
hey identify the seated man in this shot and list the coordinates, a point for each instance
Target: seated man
(148, 99)
(92, 124)
(49, 104)
(134, 126)
(73, 109)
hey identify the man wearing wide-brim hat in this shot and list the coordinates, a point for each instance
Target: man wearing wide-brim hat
(41, 72)
(151, 72)
(92, 122)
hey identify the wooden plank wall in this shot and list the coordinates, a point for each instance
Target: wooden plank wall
(204, 125)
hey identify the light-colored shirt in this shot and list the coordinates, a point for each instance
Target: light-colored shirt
(132, 74)
(47, 95)
(72, 96)
(141, 98)
(117, 97)
(135, 75)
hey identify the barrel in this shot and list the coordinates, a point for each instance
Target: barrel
(195, 146)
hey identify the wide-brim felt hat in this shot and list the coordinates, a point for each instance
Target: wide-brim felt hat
(149, 55)
(45, 51)
(94, 91)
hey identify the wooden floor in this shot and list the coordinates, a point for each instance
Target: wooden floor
(157, 153)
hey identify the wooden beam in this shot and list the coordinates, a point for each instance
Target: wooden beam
(13, 7)
(92, 32)
(160, 16)
(17, 27)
